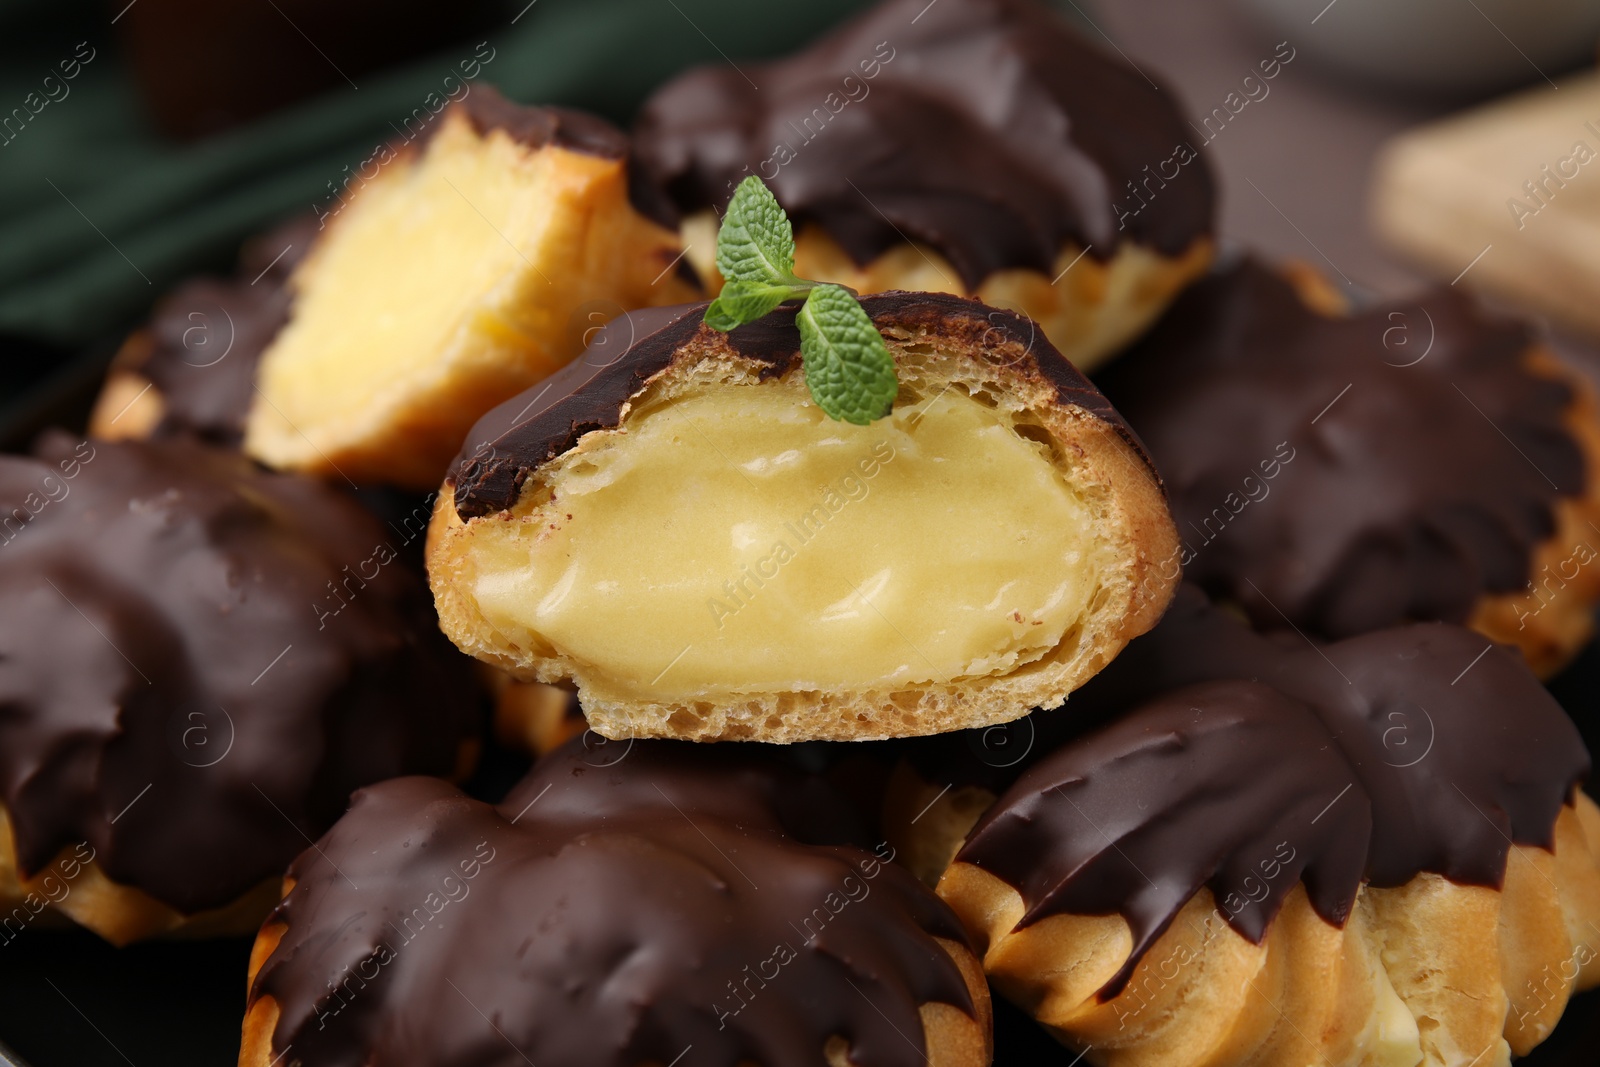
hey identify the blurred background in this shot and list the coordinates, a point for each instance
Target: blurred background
(141, 141)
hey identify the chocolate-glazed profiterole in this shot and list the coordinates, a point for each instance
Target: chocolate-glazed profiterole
(199, 661)
(472, 262)
(674, 525)
(190, 370)
(1280, 853)
(679, 904)
(1258, 769)
(1419, 459)
(978, 147)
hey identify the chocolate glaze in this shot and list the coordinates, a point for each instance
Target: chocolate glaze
(993, 133)
(589, 393)
(1454, 767)
(204, 342)
(537, 127)
(612, 915)
(180, 686)
(205, 338)
(1427, 458)
(758, 786)
(1198, 768)
(1218, 784)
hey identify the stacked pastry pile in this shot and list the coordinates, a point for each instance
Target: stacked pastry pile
(895, 517)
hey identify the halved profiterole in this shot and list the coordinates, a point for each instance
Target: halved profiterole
(673, 525)
(463, 271)
(772, 521)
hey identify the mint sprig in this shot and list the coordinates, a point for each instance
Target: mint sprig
(755, 242)
(848, 367)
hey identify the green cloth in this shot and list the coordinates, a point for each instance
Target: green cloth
(129, 213)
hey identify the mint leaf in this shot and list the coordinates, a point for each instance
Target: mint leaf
(755, 242)
(742, 302)
(848, 367)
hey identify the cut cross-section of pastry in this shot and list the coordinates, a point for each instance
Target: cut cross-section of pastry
(470, 266)
(671, 523)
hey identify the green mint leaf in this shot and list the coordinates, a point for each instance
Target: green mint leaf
(755, 242)
(742, 302)
(848, 367)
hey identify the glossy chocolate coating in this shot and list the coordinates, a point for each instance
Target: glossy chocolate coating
(614, 915)
(989, 131)
(205, 338)
(1218, 784)
(199, 660)
(589, 393)
(1427, 459)
(537, 127)
(1447, 757)
(1454, 737)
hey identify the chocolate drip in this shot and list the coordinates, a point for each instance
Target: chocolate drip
(1410, 750)
(1459, 762)
(590, 392)
(1219, 785)
(199, 660)
(985, 129)
(611, 915)
(1455, 777)
(205, 338)
(1425, 457)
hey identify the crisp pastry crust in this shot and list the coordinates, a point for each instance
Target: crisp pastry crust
(73, 888)
(471, 266)
(520, 479)
(614, 917)
(1247, 850)
(1552, 619)
(127, 407)
(1428, 973)
(1089, 308)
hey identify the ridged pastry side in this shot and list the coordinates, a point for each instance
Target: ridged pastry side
(1427, 973)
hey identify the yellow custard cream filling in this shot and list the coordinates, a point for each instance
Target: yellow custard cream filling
(738, 540)
(416, 272)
